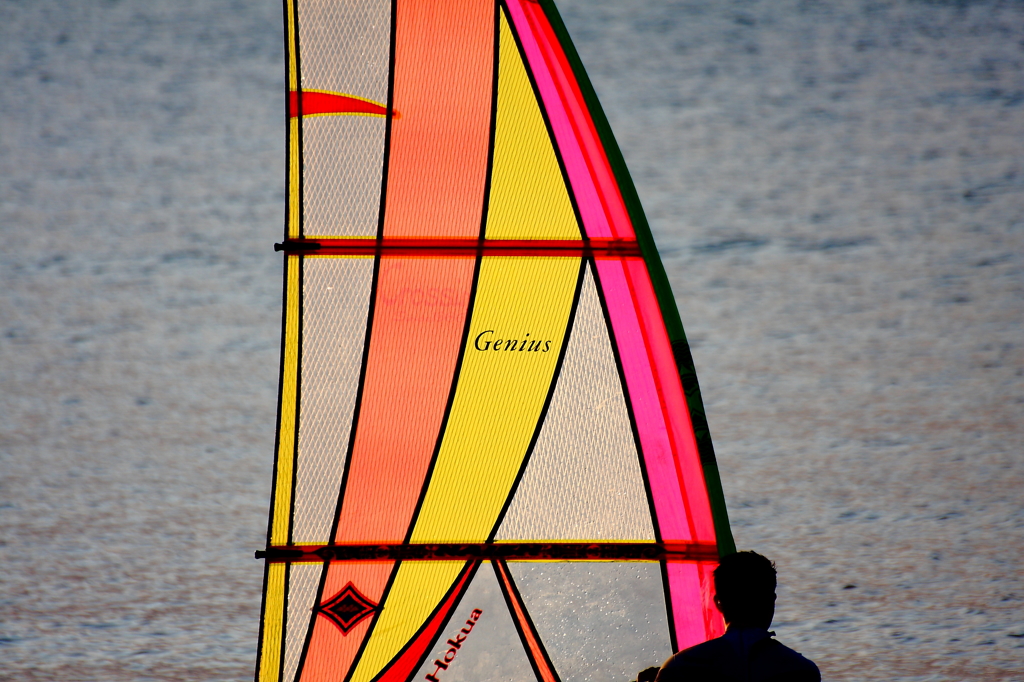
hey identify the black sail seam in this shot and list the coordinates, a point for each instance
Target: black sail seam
(288, 48)
(388, 121)
(263, 621)
(280, 404)
(300, 264)
(371, 311)
(312, 620)
(629, 403)
(301, 297)
(284, 620)
(669, 613)
(298, 396)
(456, 374)
(502, 11)
(493, 123)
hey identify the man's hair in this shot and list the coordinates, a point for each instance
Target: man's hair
(745, 585)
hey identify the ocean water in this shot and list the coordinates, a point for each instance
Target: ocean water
(838, 192)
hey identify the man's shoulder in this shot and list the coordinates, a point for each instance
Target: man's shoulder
(705, 651)
(697, 662)
(717, 659)
(780, 657)
(705, 661)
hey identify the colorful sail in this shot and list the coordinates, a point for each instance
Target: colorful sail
(492, 460)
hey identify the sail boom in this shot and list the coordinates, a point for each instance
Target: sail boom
(508, 551)
(470, 248)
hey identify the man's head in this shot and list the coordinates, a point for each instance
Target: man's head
(745, 590)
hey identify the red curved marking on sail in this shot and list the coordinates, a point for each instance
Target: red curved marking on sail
(315, 102)
(405, 664)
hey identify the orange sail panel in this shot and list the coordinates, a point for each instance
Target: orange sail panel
(486, 464)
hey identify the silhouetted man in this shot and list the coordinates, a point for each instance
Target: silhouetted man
(747, 652)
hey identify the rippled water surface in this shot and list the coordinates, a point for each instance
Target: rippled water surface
(838, 192)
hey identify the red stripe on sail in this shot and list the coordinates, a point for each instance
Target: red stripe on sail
(542, 666)
(404, 666)
(332, 103)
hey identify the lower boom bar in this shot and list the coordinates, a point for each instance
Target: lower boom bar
(517, 551)
(466, 248)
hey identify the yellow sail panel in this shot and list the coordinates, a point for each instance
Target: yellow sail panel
(294, 220)
(286, 428)
(418, 588)
(519, 320)
(528, 198)
(291, 40)
(273, 631)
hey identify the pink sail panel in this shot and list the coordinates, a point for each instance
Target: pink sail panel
(663, 423)
(659, 406)
(695, 620)
(651, 374)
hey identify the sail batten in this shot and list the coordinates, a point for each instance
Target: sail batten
(482, 428)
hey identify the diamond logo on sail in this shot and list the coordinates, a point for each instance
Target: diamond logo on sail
(347, 608)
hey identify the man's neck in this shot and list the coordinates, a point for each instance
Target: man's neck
(743, 625)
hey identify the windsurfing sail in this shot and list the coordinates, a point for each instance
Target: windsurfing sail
(492, 460)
